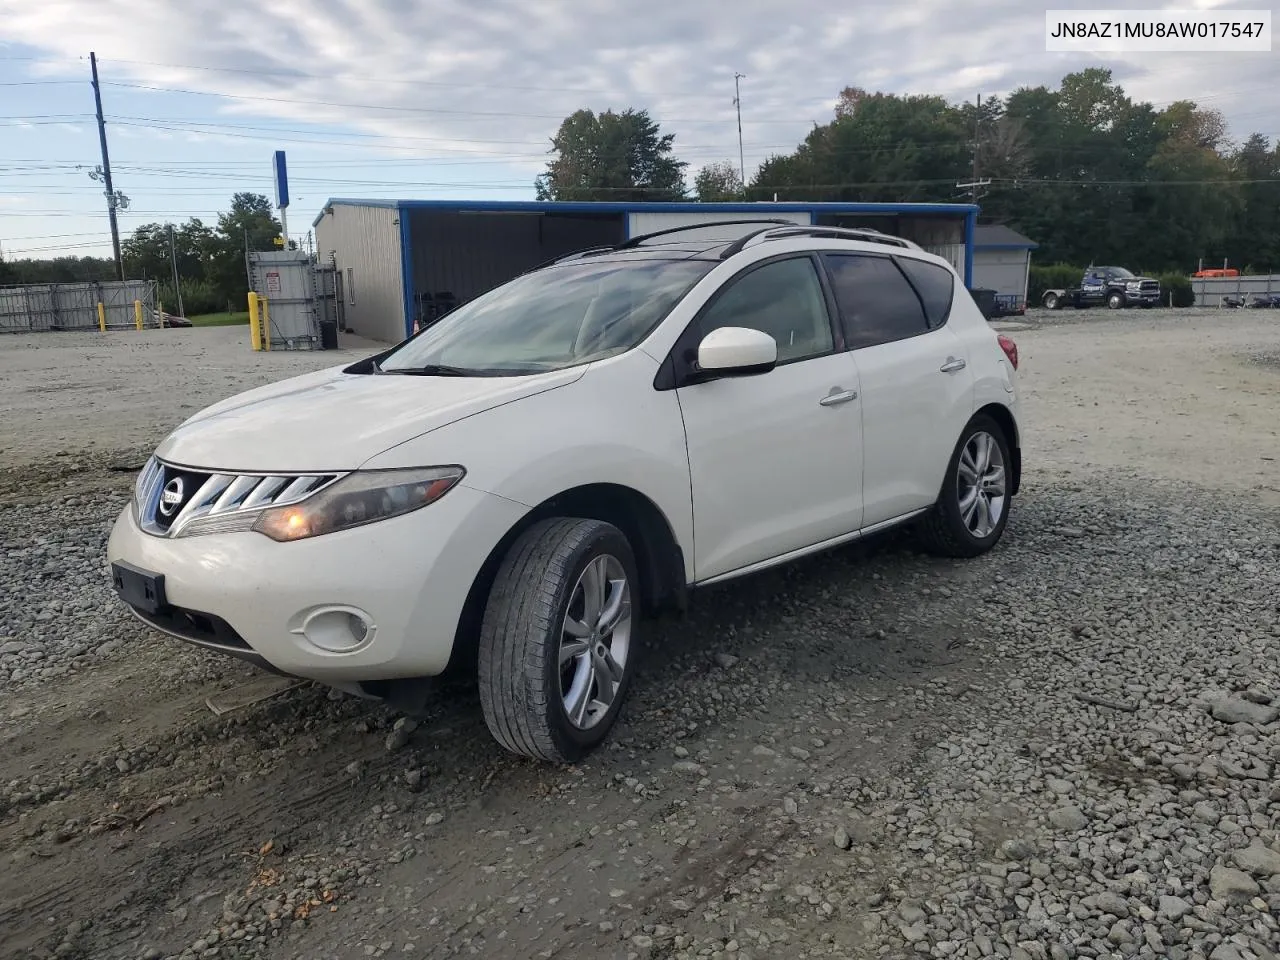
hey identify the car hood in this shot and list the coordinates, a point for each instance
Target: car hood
(334, 421)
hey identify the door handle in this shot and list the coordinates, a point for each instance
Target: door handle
(952, 365)
(838, 396)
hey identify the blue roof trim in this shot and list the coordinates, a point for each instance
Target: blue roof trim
(406, 270)
(970, 224)
(953, 209)
(1006, 246)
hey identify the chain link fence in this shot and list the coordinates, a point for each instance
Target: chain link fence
(37, 307)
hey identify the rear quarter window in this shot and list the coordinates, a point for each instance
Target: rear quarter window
(935, 286)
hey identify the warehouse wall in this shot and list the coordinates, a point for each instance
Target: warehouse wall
(364, 243)
(467, 254)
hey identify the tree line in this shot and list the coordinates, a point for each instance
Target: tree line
(210, 258)
(1089, 173)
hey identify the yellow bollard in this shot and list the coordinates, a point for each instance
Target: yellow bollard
(266, 324)
(137, 313)
(255, 325)
(102, 317)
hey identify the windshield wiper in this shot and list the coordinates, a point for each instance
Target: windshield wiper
(435, 370)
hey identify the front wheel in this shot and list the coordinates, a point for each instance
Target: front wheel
(1115, 301)
(973, 506)
(558, 639)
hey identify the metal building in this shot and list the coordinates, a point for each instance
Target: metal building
(1002, 262)
(401, 261)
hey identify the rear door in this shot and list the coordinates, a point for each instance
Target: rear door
(917, 388)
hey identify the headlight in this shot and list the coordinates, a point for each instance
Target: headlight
(357, 499)
(147, 477)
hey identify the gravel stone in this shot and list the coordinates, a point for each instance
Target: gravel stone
(1259, 860)
(1173, 908)
(1068, 818)
(1240, 710)
(1232, 885)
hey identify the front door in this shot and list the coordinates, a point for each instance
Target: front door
(775, 459)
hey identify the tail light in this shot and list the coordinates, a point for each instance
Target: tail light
(1010, 349)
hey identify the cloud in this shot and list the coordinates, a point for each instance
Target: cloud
(493, 77)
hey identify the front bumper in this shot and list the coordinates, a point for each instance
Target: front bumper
(269, 603)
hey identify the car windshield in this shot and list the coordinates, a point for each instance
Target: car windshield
(561, 316)
(1120, 272)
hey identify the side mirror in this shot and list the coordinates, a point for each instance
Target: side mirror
(737, 351)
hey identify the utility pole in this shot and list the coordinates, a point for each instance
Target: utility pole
(977, 140)
(112, 200)
(173, 260)
(737, 102)
(976, 184)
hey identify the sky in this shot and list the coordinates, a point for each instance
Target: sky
(460, 98)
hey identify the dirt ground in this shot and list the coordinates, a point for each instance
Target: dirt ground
(846, 757)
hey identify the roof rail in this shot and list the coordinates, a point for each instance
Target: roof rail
(865, 234)
(636, 241)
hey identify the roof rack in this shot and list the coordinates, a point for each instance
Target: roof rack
(774, 229)
(636, 241)
(865, 234)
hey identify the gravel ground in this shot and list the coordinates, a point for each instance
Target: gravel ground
(1067, 748)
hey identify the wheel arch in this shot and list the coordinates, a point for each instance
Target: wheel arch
(659, 556)
(1003, 416)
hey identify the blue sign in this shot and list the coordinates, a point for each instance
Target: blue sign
(282, 181)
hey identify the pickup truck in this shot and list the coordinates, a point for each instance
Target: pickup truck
(1114, 286)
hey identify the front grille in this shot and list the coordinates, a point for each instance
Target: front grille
(1150, 286)
(174, 501)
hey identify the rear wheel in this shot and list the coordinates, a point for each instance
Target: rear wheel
(973, 506)
(558, 639)
(1051, 301)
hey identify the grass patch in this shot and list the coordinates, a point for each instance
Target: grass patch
(220, 319)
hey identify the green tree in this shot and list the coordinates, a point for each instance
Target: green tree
(1254, 239)
(718, 181)
(248, 225)
(612, 156)
(879, 147)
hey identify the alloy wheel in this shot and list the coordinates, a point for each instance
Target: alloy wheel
(595, 641)
(980, 481)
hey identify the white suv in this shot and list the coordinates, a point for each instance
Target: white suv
(511, 491)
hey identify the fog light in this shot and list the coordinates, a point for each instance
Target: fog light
(359, 629)
(335, 629)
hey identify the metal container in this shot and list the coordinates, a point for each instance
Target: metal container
(287, 280)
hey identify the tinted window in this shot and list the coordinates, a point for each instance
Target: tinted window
(877, 304)
(783, 299)
(936, 286)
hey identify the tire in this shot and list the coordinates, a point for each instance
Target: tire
(524, 632)
(1115, 301)
(944, 530)
(1051, 301)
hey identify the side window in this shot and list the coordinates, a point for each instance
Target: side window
(783, 299)
(877, 304)
(936, 286)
